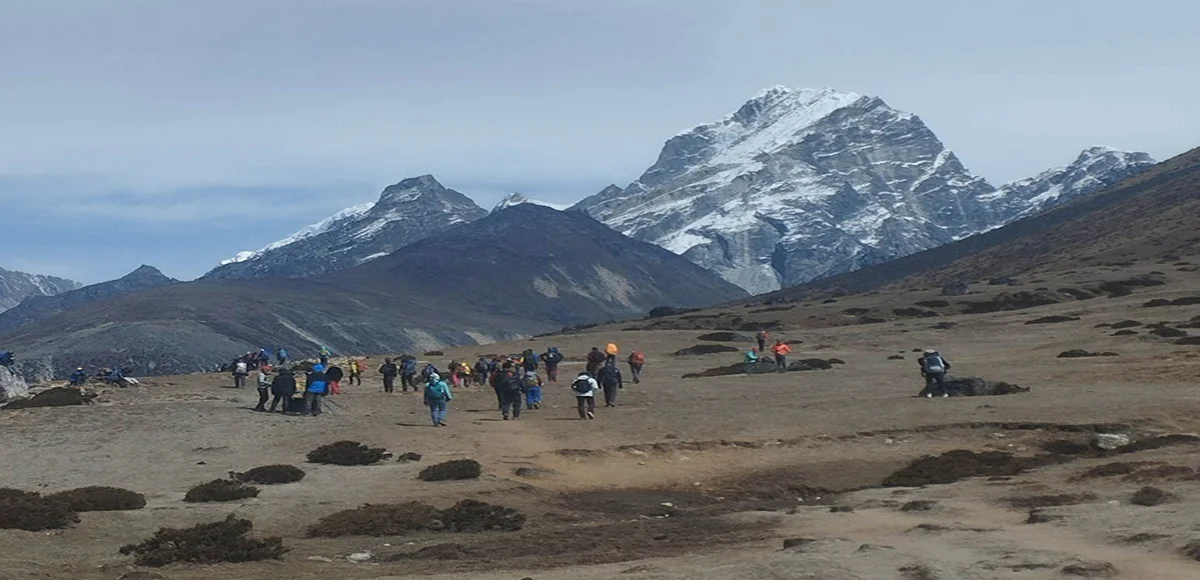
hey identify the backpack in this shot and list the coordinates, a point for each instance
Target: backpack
(409, 365)
(934, 364)
(240, 368)
(438, 390)
(582, 386)
(637, 358)
(531, 358)
(6, 359)
(609, 376)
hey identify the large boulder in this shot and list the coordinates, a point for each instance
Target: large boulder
(11, 384)
(978, 387)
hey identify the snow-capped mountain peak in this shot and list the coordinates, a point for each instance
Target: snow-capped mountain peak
(1093, 169)
(798, 184)
(519, 199)
(408, 211)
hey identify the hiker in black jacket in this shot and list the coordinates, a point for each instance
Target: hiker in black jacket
(283, 388)
(389, 370)
(609, 377)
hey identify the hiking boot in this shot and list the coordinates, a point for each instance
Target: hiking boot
(928, 395)
(506, 416)
(442, 424)
(944, 395)
(591, 415)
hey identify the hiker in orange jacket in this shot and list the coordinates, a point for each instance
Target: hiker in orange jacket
(781, 351)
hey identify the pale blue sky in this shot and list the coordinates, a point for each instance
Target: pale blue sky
(176, 133)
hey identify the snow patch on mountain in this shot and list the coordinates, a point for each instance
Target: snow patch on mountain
(305, 232)
(518, 199)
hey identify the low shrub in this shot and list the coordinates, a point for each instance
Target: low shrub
(23, 510)
(101, 499)
(213, 543)
(270, 475)
(457, 469)
(220, 490)
(346, 453)
(467, 516)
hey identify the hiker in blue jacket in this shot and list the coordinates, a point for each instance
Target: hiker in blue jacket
(408, 374)
(79, 377)
(315, 388)
(437, 397)
(281, 356)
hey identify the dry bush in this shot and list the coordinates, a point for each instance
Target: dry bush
(467, 516)
(101, 499)
(452, 470)
(220, 490)
(346, 453)
(223, 541)
(23, 510)
(270, 475)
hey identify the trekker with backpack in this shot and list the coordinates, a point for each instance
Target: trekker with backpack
(533, 390)
(264, 391)
(552, 358)
(389, 370)
(585, 387)
(481, 371)
(762, 337)
(408, 373)
(781, 351)
(316, 387)
(751, 360)
(241, 370)
(595, 359)
(610, 380)
(6, 361)
(934, 368)
(529, 360)
(637, 359)
(281, 356)
(323, 356)
(429, 370)
(356, 370)
(509, 389)
(283, 388)
(437, 397)
(333, 377)
(79, 377)
(610, 354)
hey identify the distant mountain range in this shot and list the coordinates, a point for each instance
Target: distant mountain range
(17, 286)
(38, 308)
(522, 270)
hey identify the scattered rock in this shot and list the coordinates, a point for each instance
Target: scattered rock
(956, 289)
(533, 472)
(896, 357)
(917, 573)
(54, 397)
(346, 453)
(224, 541)
(918, 506)
(790, 543)
(359, 557)
(457, 469)
(1091, 570)
(1110, 441)
(841, 509)
(1125, 333)
(409, 457)
(1039, 516)
(1052, 319)
(220, 490)
(703, 349)
(270, 475)
(1150, 496)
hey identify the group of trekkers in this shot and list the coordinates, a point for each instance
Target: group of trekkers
(780, 350)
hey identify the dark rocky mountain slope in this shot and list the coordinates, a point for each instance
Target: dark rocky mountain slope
(42, 307)
(524, 270)
(17, 286)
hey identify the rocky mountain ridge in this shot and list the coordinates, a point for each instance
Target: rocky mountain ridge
(41, 307)
(802, 184)
(17, 286)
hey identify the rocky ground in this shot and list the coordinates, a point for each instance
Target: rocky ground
(769, 476)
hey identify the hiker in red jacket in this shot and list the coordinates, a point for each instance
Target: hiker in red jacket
(637, 359)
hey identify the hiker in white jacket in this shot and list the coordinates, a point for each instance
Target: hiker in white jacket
(585, 387)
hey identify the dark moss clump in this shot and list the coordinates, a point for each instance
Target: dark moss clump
(220, 490)
(223, 541)
(101, 499)
(347, 453)
(469, 516)
(270, 475)
(452, 470)
(1149, 496)
(24, 510)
